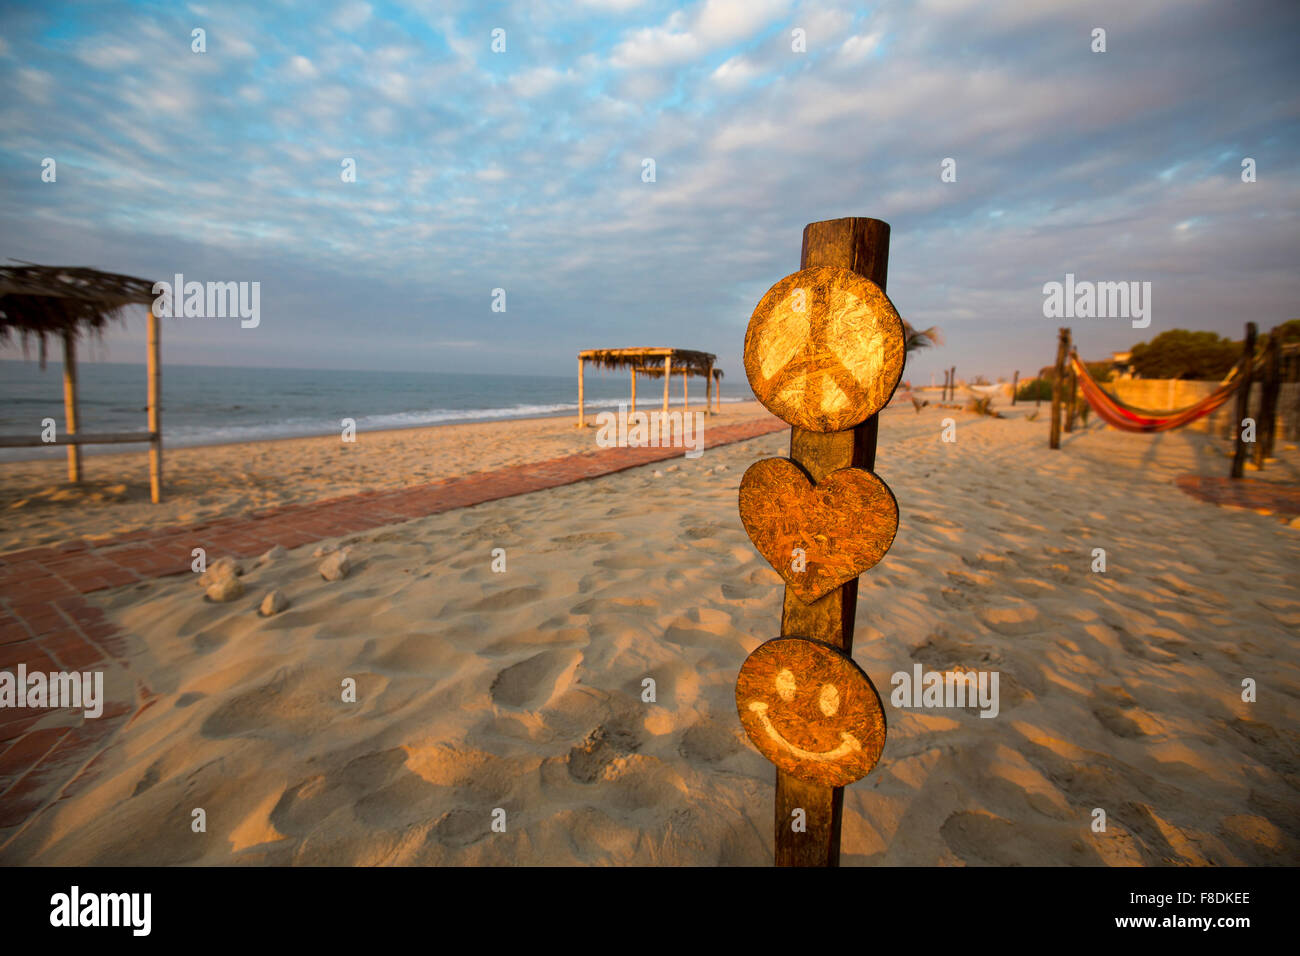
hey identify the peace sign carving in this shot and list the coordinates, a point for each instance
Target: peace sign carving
(824, 349)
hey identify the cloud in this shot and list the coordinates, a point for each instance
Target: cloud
(860, 46)
(301, 67)
(350, 16)
(735, 73)
(654, 47)
(523, 170)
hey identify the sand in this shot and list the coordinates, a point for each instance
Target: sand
(522, 691)
(38, 506)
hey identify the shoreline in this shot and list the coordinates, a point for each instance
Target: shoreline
(143, 446)
(203, 483)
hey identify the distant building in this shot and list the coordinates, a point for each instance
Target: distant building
(1121, 365)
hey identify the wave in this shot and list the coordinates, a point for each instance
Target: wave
(210, 434)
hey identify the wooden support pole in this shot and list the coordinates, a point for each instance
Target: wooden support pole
(1015, 383)
(686, 390)
(717, 392)
(1243, 400)
(668, 377)
(155, 412)
(708, 391)
(1270, 391)
(952, 389)
(634, 391)
(1062, 350)
(863, 246)
(582, 416)
(70, 402)
(1072, 388)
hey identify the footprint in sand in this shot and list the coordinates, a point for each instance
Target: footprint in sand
(708, 741)
(461, 827)
(1011, 618)
(1116, 710)
(294, 704)
(506, 600)
(604, 745)
(531, 683)
(982, 838)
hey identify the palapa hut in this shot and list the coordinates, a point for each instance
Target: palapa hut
(655, 363)
(63, 302)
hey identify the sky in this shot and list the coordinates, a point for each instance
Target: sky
(523, 169)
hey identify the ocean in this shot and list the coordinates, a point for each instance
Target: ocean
(210, 405)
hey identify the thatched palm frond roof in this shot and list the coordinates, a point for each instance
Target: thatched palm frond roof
(44, 301)
(645, 360)
(657, 371)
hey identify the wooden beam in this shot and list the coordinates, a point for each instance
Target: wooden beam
(581, 403)
(668, 379)
(1072, 387)
(1270, 391)
(708, 391)
(70, 403)
(863, 246)
(1062, 350)
(155, 411)
(1243, 400)
(633, 391)
(686, 392)
(1015, 382)
(80, 438)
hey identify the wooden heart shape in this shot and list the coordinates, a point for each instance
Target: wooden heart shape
(844, 525)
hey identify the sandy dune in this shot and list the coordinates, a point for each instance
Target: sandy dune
(523, 690)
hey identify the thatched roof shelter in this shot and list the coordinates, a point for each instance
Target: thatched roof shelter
(66, 303)
(43, 301)
(655, 362)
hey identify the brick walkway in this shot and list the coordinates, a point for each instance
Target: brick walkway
(1243, 493)
(47, 624)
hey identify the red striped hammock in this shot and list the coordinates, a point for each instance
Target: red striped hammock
(1114, 412)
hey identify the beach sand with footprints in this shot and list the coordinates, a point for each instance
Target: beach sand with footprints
(523, 690)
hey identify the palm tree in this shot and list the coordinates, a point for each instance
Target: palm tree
(913, 339)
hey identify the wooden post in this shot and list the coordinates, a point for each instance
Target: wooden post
(952, 389)
(1072, 386)
(708, 391)
(634, 391)
(582, 420)
(70, 402)
(717, 392)
(1062, 349)
(686, 390)
(1243, 399)
(155, 412)
(1270, 390)
(863, 246)
(668, 377)
(1015, 382)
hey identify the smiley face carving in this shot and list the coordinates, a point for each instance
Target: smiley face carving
(811, 710)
